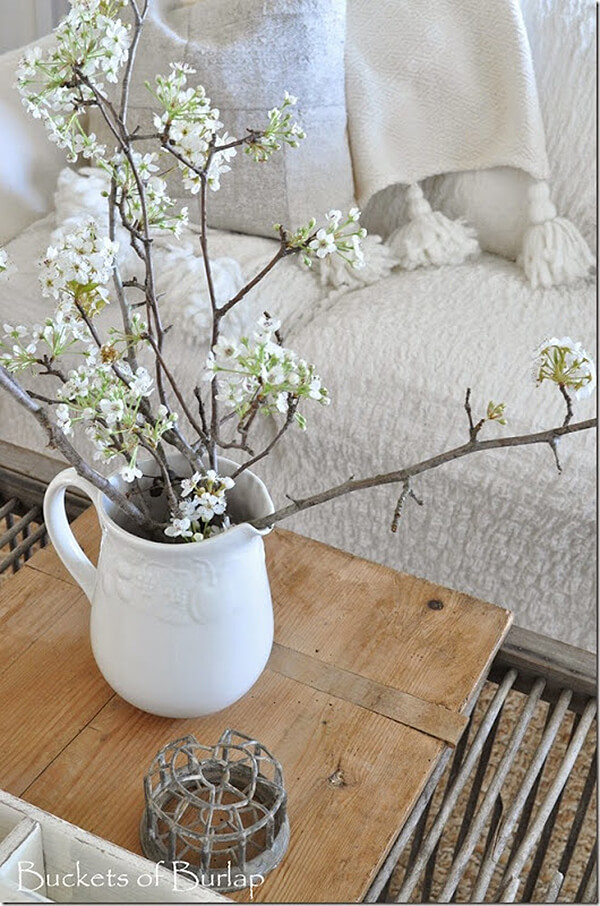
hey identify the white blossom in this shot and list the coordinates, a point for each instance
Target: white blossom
(63, 419)
(142, 382)
(112, 410)
(130, 473)
(78, 267)
(566, 363)
(179, 528)
(281, 129)
(57, 88)
(201, 508)
(259, 374)
(323, 244)
(341, 236)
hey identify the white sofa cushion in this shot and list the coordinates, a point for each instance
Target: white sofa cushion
(397, 357)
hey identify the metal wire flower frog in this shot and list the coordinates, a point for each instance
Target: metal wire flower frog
(221, 810)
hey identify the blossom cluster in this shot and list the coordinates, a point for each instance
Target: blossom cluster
(341, 236)
(189, 125)
(201, 509)
(282, 129)
(157, 203)
(103, 395)
(23, 347)
(57, 88)
(566, 363)
(76, 270)
(258, 374)
(106, 397)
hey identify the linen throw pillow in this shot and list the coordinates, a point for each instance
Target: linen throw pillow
(247, 53)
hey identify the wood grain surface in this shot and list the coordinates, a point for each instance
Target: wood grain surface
(362, 653)
(437, 721)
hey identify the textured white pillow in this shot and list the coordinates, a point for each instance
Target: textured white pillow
(247, 53)
(562, 38)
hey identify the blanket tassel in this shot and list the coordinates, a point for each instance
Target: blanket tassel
(429, 238)
(338, 273)
(554, 251)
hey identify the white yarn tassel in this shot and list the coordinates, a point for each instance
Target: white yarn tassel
(430, 238)
(379, 261)
(553, 251)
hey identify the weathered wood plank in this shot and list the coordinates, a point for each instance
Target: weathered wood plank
(362, 617)
(352, 774)
(27, 614)
(563, 666)
(352, 778)
(377, 622)
(50, 687)
(435, 720)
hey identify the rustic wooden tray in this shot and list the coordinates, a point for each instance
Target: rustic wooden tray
(425, 859)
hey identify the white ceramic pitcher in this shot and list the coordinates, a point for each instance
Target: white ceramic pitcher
(179, 630)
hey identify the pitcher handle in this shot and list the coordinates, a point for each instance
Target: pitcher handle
(65, 544)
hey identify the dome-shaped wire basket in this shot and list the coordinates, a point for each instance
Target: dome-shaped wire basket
(221, 809)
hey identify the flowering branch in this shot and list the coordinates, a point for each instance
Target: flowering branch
(110, 394)
(403, 475)
(59, 441)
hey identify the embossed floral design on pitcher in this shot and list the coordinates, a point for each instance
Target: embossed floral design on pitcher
(177, 630)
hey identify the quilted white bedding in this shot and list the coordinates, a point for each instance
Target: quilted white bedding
(397, 357)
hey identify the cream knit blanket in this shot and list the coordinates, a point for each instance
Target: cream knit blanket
(439, 86)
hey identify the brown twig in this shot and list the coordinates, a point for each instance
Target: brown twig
(401, 475)
(43, 399)
(473, 429)
(235, 445)
(134, 283)
(406, 492)
(159, 456)
(282, 252)
(214, 413)
(292, 407)
(137, 33)
(201, 410)
(188, 414)
(569, 403)
(554, 448)
(46, 362)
